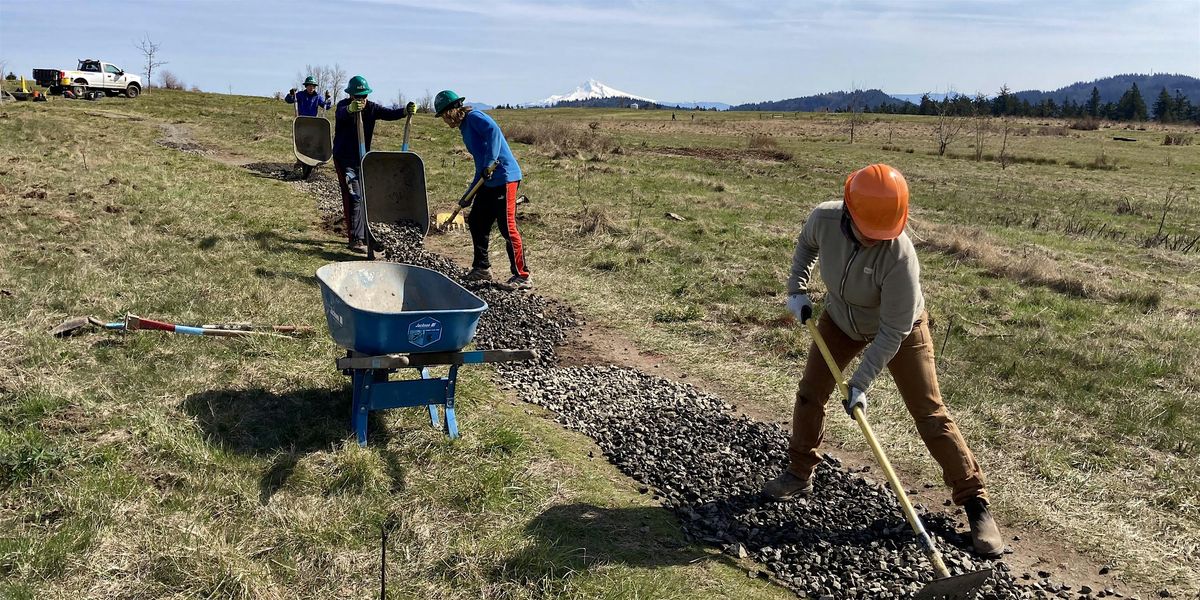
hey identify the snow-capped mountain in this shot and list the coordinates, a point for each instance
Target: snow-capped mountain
(590, 90)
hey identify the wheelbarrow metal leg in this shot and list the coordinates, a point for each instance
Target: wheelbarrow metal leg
(434, 420)
(361, 406)
(451, 421)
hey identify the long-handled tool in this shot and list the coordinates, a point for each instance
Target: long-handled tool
(407, 126)
(442, 225)
(945, 586)
(133, 323)
(358, 182)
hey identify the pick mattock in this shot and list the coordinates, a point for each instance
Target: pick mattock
(441, 225)
(945, 586)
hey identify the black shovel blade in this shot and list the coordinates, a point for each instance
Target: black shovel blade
(958, 587)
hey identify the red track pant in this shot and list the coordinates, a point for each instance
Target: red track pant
(497, 205)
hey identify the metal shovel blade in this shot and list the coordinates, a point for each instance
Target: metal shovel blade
(958, 587)
(71, 326)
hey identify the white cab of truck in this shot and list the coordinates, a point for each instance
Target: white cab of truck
(92, 75)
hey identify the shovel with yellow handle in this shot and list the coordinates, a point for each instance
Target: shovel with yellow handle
(944, 586)
(444, 221)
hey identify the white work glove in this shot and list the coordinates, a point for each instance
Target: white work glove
(857, 398)
(796, 304)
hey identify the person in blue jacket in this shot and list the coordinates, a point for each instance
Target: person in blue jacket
(308, 102)
(496, 200)
(346, 160)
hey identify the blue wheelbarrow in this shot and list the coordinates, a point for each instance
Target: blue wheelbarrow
(392, 316)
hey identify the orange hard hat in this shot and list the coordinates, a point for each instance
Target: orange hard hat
(877, 198)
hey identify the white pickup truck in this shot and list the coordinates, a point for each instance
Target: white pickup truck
(92, 75)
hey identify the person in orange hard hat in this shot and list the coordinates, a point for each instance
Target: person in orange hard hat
(873, 306)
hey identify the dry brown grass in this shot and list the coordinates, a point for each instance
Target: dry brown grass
(760, 141)
(560, 139)
(1029, 266)
(594, 220)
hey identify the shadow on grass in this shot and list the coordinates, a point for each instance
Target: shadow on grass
(279, 171)
(576, 537)
(286, 426)
(270, 241)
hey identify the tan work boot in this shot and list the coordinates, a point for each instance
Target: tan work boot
(985, 536)
(786, 486)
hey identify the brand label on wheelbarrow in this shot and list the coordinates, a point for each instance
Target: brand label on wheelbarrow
(424, 332)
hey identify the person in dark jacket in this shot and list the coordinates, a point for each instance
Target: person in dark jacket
(308, 101)
(496, 200)
(346, 159)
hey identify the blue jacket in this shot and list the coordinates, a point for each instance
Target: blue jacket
(345, 131)
(486, 143)
(308, 103)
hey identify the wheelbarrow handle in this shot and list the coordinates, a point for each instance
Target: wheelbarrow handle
(860, 417)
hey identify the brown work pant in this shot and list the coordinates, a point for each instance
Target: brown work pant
(914, 371)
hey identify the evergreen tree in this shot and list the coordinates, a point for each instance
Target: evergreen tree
(1003, 103)
(1131, 106)
(1093, 103)
(1164, 107)
(1182, 106)
(927, 106)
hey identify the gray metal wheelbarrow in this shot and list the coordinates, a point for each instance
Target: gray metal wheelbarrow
(311, 142)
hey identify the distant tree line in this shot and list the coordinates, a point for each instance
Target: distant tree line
(1130, 107)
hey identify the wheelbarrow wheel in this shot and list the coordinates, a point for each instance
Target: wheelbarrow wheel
(305, 171)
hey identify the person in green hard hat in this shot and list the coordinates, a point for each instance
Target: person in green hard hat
(496, 200)
(308, 101)
(346, 160)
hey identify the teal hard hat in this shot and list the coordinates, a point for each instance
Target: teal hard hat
(358, 86)
(310, 81)
(446, 99)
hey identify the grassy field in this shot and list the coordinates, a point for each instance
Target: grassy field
(1064, 298)
(151, 465)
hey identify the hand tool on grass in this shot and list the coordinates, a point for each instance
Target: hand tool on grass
(944, 586)
(444, 224)
(133, 323)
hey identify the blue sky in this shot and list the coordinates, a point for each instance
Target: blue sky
(676, 50)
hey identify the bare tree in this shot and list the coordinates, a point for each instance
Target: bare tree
(1004, 144)
(948, 125)
(425, 105)
(168, 81)
(336, 76)
(400, 99)
(855, 106)
(982, 112)
(149, 49)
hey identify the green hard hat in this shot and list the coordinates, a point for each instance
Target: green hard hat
(446, 99)
(310, 81)
(358, 86)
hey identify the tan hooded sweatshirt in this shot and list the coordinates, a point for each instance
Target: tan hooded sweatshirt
(874, 293)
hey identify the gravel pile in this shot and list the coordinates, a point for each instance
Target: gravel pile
(691, 452)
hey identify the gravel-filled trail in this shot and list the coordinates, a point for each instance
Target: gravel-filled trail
(701, 460)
